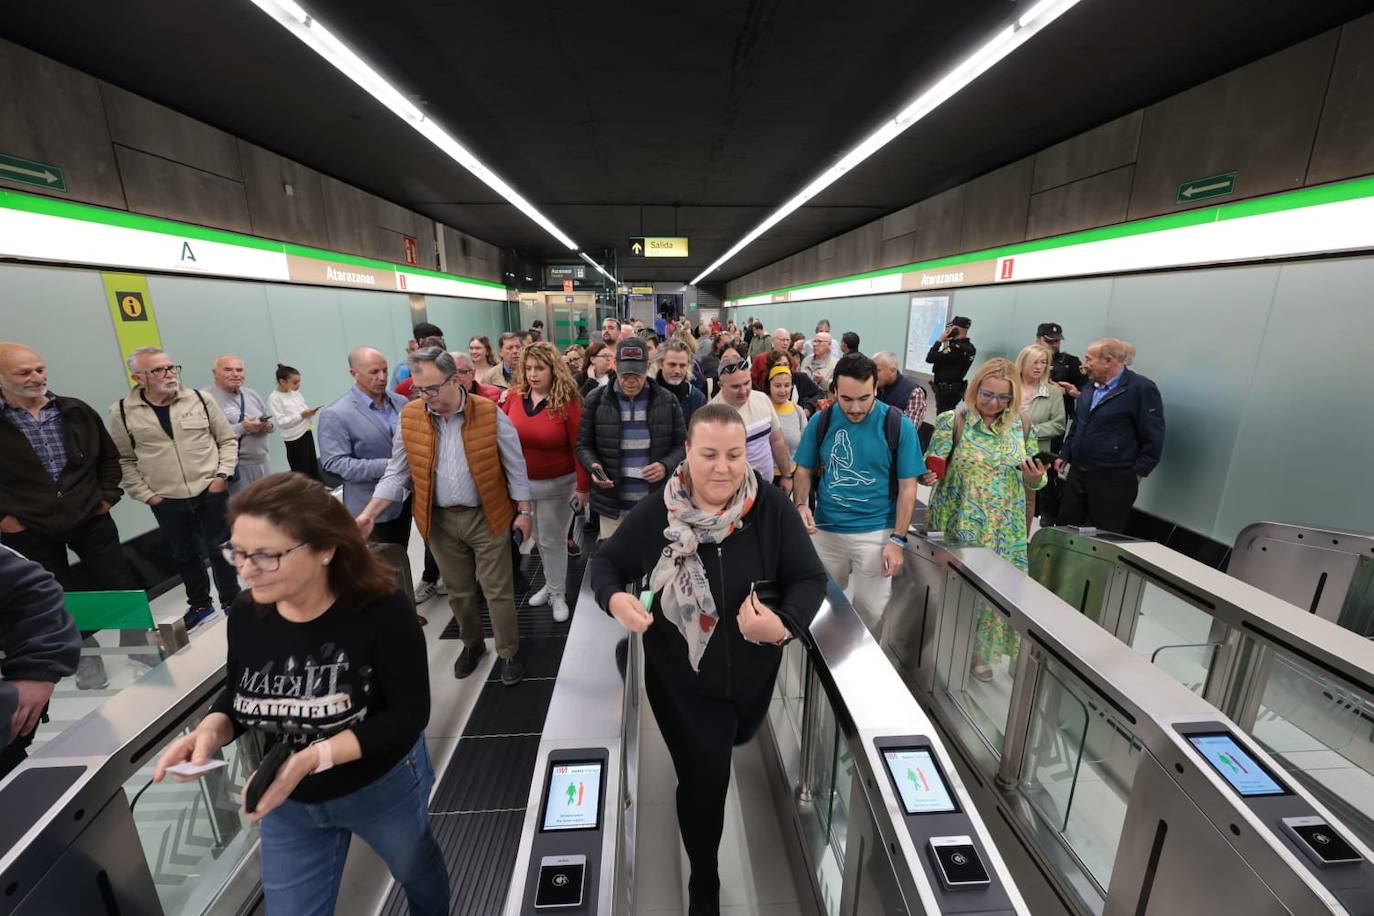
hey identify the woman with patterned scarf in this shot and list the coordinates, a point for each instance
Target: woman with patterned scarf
(734, 577)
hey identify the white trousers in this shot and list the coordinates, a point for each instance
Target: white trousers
(857, 560)
(552, 514)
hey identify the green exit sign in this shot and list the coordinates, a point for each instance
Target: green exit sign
(29, 171)
(1203, 188)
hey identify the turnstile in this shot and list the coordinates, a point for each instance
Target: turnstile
(1323, 570)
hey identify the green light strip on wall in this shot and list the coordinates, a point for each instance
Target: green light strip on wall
(1354, 189)
(66, 209)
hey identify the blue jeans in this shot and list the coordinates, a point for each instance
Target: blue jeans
(304, 845)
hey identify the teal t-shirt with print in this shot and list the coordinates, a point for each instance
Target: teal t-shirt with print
(853, 492)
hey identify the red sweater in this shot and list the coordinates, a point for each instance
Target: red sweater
(548, 441)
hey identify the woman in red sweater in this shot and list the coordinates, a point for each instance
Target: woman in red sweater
(546, 408)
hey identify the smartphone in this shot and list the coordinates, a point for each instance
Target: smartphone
(264, 774)
(1046, 458)
(599, 474)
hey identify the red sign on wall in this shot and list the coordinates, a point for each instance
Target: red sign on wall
(412, 250)
(1007, 268)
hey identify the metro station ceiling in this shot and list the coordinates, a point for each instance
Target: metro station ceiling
(696, 119)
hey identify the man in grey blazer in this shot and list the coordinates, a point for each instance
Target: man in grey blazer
(356, 432)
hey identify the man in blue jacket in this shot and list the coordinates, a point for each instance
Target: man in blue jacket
(1116, 439)
(40, 645)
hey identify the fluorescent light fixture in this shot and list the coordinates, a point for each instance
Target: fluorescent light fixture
(592, 261)
(969, 69)
(296, 20)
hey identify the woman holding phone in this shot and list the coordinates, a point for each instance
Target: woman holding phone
(983, 460)
(734, 577)
(545, 408)
(327, 662)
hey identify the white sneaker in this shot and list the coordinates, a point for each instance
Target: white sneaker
(560, 609)
(540, 597)
(426, 591)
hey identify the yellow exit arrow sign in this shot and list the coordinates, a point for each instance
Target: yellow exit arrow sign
(658, 246)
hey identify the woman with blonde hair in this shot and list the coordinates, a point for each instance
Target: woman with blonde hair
(981, 469)
(1041, 400)
(545, 406)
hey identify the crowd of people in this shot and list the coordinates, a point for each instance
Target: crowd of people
(733, 468)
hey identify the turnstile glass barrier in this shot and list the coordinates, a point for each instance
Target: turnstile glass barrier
(1082, 749)
(864, 781)
(1326, 571)
(1300, 684)
(86, 829)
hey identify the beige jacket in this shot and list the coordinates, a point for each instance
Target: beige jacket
(494, 376)
(179, 468)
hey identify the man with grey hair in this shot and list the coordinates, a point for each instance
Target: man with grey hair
(176, 453)
(247, 414)
(820, 363)
(461, 457)
(1116, 439)
(675, 376)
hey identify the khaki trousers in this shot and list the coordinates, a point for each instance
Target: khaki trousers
(468, 554)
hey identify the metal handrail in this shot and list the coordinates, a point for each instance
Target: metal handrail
(1053, 632)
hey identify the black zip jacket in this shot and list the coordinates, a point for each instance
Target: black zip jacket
(38, 637)
(92, 474)
(1124, 430)
(772, 544)
(598, 438)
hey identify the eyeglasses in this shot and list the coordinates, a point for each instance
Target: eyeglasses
(986, 395)
(462, 371)
(161, 371)
(264, 560)
(741, 366)
(429, 391)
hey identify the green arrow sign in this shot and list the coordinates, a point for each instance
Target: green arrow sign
(1203, 188)
(27, 171)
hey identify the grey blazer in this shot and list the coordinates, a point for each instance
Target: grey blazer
(355, 444)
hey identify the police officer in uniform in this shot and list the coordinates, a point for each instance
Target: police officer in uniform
(1066, 372)
(951, 358)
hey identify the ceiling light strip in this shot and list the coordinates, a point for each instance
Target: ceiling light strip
(968, 70)
(296, 20)
(592, 261)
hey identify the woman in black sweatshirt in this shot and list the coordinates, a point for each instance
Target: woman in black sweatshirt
(734, 577)
(327, 658)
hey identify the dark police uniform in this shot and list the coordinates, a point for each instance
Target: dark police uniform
(951, 360)
(1064, 367)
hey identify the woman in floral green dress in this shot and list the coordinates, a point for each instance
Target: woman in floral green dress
(981, 500)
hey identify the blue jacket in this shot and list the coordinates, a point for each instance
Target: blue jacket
(355, 444)
(1126, 430)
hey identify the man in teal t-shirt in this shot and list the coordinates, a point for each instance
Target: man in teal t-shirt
(859, 529)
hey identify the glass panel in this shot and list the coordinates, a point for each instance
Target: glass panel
(110, 661)
(1077, 771)
(791, 682)
(822, 764)
(978, 664)
(192, 833)
(844, 782)
(1320, 730)
(1174, 634)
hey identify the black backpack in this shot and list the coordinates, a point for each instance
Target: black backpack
(892, 429)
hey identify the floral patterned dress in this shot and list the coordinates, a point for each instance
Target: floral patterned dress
(982, 503)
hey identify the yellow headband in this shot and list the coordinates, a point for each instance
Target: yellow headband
(778, 370)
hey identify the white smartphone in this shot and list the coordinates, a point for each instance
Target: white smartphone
(190, 769)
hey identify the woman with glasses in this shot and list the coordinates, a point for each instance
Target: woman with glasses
(987, 449)
(600, 366)
(325, 658)
(546, 409)
(575, 358)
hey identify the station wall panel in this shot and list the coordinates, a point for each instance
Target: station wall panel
(63, 314)
(1259, 367)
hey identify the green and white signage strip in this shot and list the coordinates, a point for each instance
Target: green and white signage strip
(46, 229)
(1330, 218)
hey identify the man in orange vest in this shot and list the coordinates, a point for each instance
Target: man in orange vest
(461, 456)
